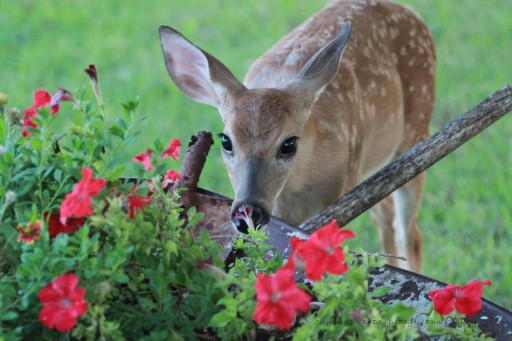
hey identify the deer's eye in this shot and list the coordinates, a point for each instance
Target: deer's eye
(226, 143)
(289, 147)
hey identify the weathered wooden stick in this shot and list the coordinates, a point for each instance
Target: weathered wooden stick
(195, 158)
(192, 166)
(415, 161)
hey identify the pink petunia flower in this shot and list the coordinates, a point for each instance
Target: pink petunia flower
(171, 176)
(173, 150)
(144, 158)
(279, 299)
(466, 299)
(63, 302)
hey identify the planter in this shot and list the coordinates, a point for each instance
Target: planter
(404, 286)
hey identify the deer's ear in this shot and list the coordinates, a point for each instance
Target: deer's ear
(196, 73)
(321, 69)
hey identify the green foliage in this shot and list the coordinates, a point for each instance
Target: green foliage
(351, 313)
(452, 327)
(141, 274)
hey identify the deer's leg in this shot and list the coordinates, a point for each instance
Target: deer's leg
(407, 234)
(382, 215)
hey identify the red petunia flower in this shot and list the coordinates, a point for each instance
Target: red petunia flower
(466, 299)
(134, 201)
(78, 202)
(144, 158)
(137, 202)
(63, 302)
(322, 251)
(173, 150)
(29, 233)
(41, 100)
(279, 299)
(171, 176)
(30, 113)
(55, 227)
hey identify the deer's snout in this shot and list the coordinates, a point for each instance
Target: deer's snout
(245, 215)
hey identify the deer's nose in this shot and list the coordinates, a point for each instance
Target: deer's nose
(245, 215)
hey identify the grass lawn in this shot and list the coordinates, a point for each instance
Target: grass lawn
(466, 218)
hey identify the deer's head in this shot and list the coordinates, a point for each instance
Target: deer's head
(263, 135)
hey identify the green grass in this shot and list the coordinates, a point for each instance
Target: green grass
(466, 217)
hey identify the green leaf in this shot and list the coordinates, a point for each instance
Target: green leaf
(23, 175)
(57, 175)
(171, 247)
(10, 315)
(194, 217)
(121, 124)
(24, 189)
(401, 311)
(146, 303)
(120, 278)
(220, 320)
(114, 173)
(8, 158)
(131, 106)
(117, 131)
(380, 291)
(36, 143)
(204, 237)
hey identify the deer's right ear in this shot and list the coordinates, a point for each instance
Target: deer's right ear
(196, 73)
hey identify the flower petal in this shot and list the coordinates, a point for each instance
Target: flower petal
(63, 302)
(279, 299)
(173, 150)
(41, 99)
(144, 158)
(444, 301)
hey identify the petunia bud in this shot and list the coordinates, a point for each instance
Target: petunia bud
(62, 95)
(93, 74)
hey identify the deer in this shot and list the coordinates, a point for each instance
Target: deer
(326, 107)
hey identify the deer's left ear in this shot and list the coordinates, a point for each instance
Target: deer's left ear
(321, 69)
